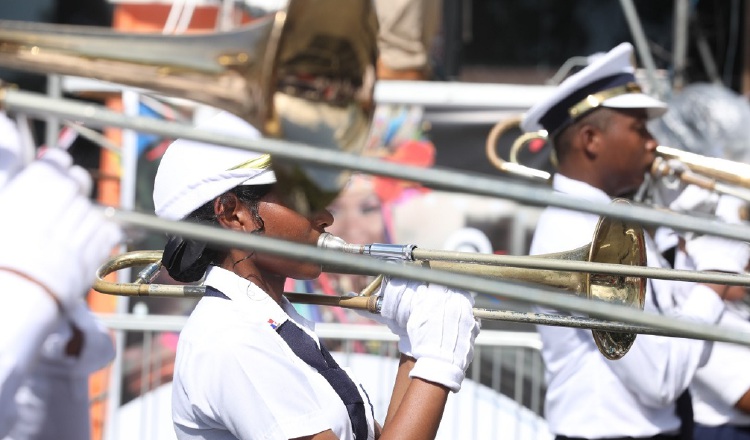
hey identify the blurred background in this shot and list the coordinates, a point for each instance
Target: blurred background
(487, 62)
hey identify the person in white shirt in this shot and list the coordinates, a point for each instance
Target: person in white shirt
(53, 240)
(711, 120)
(53, 401)
(721, 388)
(596, 120)
(248, 365)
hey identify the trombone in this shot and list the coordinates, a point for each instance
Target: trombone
(600, 276)
(615, 242)
(715, 174)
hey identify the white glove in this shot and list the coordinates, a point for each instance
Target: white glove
(441, 329)
(665, 189)
(695, 199)
(728, 209)
(394, 292)
(717, 253)
(10, 146)
(50, 232)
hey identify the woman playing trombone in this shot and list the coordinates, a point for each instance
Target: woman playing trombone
(248, 365)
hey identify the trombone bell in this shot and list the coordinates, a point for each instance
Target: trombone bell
(305, 74)
(614, 241)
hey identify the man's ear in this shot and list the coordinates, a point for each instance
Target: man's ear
(590, 140)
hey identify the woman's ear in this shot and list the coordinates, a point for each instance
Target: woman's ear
(226, 208)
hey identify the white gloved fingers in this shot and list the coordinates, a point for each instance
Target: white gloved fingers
(695, 199)
(476, 328)
(57, 157)
(40, 181)
(96, 245)
(729, 209)
(397, 294)
(442, 330)
(717, 253)
(81, 177)
(51, 233)
(396, 305)
(10, 164)
(69, 268)
(677, 166)
(69, 226)
(458, 319)
(101, 238)
(10, 149)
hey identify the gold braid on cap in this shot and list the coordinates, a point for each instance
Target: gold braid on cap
(259, 163)
(596, 99)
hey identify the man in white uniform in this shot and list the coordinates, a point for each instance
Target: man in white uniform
(712, 120)
(596, 120)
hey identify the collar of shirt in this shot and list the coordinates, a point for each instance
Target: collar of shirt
(254, 300)
(580, 189)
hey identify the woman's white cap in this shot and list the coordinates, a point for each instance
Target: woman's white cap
(192, 173)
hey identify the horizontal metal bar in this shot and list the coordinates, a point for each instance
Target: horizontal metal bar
(374, 332)
(555, 299)
(524, 192)
(585, 266)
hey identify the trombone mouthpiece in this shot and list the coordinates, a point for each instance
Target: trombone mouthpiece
(378, 250)
(330, 241)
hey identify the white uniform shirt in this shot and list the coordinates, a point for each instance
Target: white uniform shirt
(53, 401)
(724, 379)
(235, 377)
(593, 397)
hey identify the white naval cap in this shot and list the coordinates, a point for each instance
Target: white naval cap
(192, 173)
(608, 81)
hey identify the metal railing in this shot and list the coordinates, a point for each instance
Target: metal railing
(502, 398)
